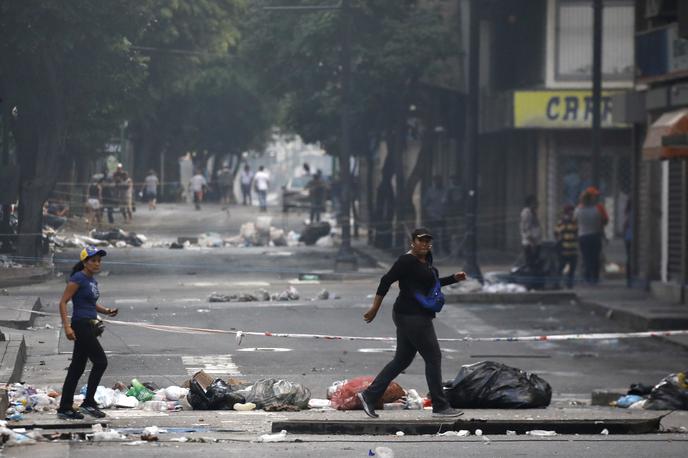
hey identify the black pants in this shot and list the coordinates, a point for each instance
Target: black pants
(86, 346)
(415, 334)
(316, 209)
(571, 261)
(590, 247)
(531, 253)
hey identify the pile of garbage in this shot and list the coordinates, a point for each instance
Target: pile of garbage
(492, 385)
(671, 393)
(7, 263)
(494, 282)
(289, 294)
(112, 238)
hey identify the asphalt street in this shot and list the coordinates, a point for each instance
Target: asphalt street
(171, 287)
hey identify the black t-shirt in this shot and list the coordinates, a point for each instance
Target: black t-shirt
(413, 276)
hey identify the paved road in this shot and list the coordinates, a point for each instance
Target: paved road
(162, 286)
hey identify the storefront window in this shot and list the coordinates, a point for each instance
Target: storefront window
(574, 40)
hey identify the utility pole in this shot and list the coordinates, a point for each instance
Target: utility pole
(596, 89)
(346, 259)
(472, 169)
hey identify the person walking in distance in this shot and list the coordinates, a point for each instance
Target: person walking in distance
(150, 189)
(261, 182)
(224, 183)
(197, 185)
(94, 202)
(246, 179)
(316, 194)
(531, 235)
(415, 331)
(566, 233)
(83, 330)
(591, 220)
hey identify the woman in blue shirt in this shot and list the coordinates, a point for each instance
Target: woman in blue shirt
(82, 290)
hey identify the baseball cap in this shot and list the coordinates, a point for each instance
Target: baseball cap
(420, 233)
(91, 251)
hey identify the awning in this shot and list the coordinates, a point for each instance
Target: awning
(659, 142)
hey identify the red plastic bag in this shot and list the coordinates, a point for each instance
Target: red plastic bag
(345, 397)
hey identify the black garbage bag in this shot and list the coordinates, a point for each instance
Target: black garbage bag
(491, 385)
(221, 396)
(669, 394)
(314, 231)
(197, 397)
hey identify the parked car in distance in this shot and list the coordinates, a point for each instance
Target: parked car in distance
(295, 194)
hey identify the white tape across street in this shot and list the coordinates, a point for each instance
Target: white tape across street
(241, 334)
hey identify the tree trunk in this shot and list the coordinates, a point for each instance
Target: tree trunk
(40, 133)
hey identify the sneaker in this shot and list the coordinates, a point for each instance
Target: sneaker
(69, 415)
(448, 412)
(368, 408)
(92, 411)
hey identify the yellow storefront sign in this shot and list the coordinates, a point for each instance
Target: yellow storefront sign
(559, 109)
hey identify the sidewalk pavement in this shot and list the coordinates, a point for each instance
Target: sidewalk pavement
(632, 307)
(22, 276)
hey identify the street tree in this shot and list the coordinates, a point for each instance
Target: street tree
(62, 64)
(396, 44)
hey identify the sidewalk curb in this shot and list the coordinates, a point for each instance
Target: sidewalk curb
(11, 366)
(26, 318)
(26, 281)
(635, 321)
(418, 427)
(530, 297)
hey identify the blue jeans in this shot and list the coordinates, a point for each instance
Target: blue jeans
(263, 199)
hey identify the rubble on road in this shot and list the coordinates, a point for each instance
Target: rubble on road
(260, 295)
(671, 393)
(7, 263)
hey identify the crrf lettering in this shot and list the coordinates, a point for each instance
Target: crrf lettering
(568, 108)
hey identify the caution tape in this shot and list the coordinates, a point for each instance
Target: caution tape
(241, 334)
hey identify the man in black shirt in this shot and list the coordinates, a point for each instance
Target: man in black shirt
(415, 332)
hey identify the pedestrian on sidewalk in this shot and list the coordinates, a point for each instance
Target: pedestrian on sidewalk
(591, 220)
(93, 202)
(261, 182)
(150, 189)
(566, 233)
(435, 207)
(83, 330)
(246, 179)
(415, 332)
(531, 235)
(197, 186)
(317, 189)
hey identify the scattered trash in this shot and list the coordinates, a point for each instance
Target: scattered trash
(312, 232)
(393, 406)
(605, 432)
(541, 433)
(413, 400)
(383, 452)
(626, 401)
(216, 396)
(510, 432)
(139, 391)
(279, 437)
(273, 393)
(478, 432)
(289, 294)
(400, 434)
(489, 385)
(245, 407)
(323, 295)
(319, 403)
(107, 436)
(150, 434)
(671, 393)
(344, 398)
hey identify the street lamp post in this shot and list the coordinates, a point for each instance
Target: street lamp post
(471, 157)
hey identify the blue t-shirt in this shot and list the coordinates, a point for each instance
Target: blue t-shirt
(85, 298)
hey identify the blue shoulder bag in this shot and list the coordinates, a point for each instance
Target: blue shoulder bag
(434, 301)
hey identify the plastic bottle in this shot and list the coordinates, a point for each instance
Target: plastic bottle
(139, 391)
(155, 406)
